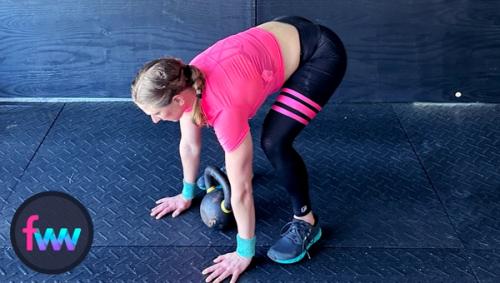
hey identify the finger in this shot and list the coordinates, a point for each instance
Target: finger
(222, 276)
(176, 212)
(155, 210)
(218, 259)
(161, 200)
(161, 205)
(210, 269)
(214, 274)
(165, 211)
(235, 277)
(158, 209)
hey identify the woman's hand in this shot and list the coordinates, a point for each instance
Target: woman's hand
(177, 204)
(225, 265)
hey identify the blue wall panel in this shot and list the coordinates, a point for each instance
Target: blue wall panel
(93, 48)
(399, 51)
(404, 51)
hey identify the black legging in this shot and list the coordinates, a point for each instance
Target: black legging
(323, 62)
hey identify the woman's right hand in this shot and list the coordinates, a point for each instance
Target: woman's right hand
(177, 204)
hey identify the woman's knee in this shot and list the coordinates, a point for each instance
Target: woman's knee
(272, 147)
(267, 144)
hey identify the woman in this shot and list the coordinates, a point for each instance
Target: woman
(223, 87)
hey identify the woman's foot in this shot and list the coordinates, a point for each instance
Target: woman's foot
(309, 218)
(295, 242)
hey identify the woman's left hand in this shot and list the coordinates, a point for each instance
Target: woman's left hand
(226, 265)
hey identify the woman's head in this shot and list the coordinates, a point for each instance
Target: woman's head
(165, 87)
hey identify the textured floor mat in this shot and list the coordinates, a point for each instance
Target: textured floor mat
(403, 192)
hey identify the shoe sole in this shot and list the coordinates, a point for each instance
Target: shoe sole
(301, 256)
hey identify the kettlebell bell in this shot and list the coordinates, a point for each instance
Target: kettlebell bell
(215, 208)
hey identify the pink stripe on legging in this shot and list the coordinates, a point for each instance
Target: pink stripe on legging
(300, 96)
(296, 105)
(289, 114)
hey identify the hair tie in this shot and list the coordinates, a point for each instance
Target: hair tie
(188, 73)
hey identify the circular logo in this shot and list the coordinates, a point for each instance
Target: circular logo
(51, 232)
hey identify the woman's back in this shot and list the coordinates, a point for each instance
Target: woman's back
(288, 39)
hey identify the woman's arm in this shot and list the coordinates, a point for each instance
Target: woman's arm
(189, 148)
(240, 171)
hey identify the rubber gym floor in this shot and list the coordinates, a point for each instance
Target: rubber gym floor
(404, 192)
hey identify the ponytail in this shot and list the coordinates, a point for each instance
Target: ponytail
(198, 82)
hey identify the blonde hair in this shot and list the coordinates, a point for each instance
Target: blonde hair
(158, 81)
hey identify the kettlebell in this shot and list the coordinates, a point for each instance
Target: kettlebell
(201, 180)
(215, 207)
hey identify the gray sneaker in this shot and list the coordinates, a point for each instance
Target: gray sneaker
(295, 242)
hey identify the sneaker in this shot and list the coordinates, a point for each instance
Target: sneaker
(201, 180)
(295, 242)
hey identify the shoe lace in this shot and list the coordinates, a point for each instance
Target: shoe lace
(297, 231)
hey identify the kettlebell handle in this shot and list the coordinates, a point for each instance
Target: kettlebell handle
(221, 178)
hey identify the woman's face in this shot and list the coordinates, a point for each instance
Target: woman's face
(171, 112)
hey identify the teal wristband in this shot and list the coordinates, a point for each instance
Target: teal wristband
(188, 190)
(245, 247)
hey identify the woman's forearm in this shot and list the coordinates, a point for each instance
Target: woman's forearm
(190, 159)
(242, 204)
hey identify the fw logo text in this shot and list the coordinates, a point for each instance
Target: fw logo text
(49, 236)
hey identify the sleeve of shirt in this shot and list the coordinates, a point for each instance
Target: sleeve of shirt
(231, 127)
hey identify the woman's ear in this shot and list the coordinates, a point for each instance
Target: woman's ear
(178, 99)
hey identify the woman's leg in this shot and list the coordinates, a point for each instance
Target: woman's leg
(320, 72)
(278, 134)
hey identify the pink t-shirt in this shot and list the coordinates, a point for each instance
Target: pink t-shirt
(241, 71)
